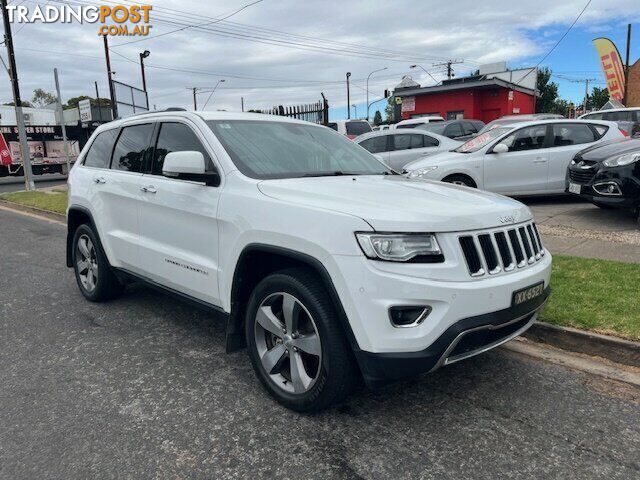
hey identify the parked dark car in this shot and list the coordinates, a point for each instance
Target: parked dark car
(607, 175)
(461, 130)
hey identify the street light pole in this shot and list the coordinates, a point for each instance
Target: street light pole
(348, 98)
(13, 73)
(143, 55)
(425, 71)
(211, 94)
(369, 76)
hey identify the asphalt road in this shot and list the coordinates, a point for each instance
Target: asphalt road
(14, 184)
(141, 388)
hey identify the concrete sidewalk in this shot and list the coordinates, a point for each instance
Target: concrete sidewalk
(572, 227)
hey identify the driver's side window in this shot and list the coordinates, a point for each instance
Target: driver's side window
(528, 138)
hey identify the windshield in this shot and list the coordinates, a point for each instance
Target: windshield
(435, 127)
(266, 149)
(476, 143)
(357, 128)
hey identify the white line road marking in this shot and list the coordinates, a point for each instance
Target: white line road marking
(32, 215)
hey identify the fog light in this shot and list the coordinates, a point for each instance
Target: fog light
(408, 316)
(607, 188)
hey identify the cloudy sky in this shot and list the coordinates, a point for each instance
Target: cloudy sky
(288, 51)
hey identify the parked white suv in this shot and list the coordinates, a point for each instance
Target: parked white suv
(527, 158)
(324, 263)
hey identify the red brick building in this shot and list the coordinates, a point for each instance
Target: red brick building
(471, 97)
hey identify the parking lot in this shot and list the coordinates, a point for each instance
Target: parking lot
(142, 388)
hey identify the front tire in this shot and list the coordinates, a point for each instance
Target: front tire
(295, 342)
(460, 180)
(94, 275)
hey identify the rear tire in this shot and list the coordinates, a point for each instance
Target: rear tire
(301, 357)
(460, 180)
(94, 275)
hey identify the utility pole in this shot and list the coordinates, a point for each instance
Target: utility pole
(195, 102)
(355, 110)
(13, 73)
(114, 112)
(62, 125)
(348, 97)
(626, 68)
(242, 103)
(586, 95)
(448, 64)
(98, 100)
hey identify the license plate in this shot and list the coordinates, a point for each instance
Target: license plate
(529, 293)
(575, 188)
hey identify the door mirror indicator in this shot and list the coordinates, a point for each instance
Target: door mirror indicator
(500, 148)
(189, 165)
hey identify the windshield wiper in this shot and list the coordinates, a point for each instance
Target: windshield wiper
(337, 173)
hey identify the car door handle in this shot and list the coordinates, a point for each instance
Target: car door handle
(148, 189)
(540, 160)
(100, 180)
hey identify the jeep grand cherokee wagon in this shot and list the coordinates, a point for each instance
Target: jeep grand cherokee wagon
(325, 264)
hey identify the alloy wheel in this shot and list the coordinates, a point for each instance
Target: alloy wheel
(87, 263)
(288, 343)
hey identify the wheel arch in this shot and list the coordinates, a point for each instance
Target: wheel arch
(255, 262)
(474, 182)
(77, 216)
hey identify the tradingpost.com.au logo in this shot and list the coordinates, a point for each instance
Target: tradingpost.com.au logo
(118, 20)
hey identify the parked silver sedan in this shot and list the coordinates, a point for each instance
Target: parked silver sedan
(396, 148)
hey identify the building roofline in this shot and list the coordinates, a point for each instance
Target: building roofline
(492, 82)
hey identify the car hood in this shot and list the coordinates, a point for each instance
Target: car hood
(602, 151)
(397, 204)
(439, 158)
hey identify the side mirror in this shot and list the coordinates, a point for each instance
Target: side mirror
(500, 148)
(189, 165)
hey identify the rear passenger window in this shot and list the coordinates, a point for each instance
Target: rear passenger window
(99, 153)
(376, 144)
(416, 141)
(600, 130)
(177, 137)
(571, 134)
(407, 142)
(131, 148)
(430, 141)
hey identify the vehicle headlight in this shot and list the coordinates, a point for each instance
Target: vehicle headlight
(621, 160)
(396, 247)
(422, 172)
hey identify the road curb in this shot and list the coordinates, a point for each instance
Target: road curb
(615, 349)
(59, 217)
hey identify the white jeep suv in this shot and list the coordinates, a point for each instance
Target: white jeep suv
(325, 264)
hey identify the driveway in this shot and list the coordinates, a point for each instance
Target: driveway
(141, 388)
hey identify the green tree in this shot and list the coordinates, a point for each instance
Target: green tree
(561, 106)
(597, 99)
(23, 103)
(547, 91)
(73, 102)
(390, 109)
(42, 99)
(377, 118)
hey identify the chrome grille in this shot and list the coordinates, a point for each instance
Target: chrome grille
(489, 253)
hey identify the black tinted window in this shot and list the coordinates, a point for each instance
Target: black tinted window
(621, 116)
(454, 130)
(376, 144)
(99, 153)
(430, 141)
(406, 142)
(358, 128)
(131, 148)
(530, 138)
(469, 128)
(177, 137)
(571, 134)
(333, 126)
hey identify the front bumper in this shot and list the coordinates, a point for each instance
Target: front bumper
(464, 339)
(626, 179)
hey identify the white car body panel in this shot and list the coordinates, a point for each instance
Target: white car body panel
(527, 172)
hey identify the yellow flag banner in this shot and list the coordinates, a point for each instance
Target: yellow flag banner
(612, 67)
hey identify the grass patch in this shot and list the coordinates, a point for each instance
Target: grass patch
(54, 201)
(598, 295)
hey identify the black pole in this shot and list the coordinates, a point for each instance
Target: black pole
(626, 69)
(348, 97)
(13, 72)
(144, 81)
(114, 112)
(98, 100)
